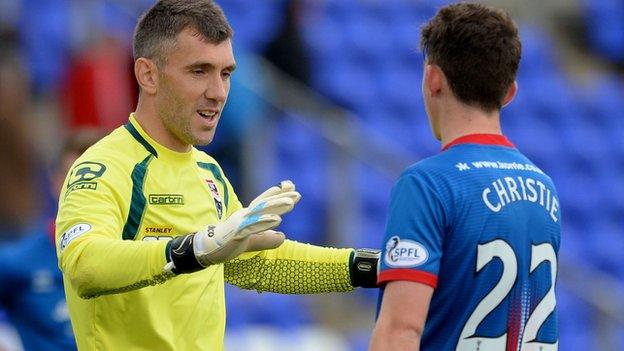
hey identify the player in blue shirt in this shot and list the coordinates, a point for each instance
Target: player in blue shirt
(471, 242)
(31, 284)
(31, 291)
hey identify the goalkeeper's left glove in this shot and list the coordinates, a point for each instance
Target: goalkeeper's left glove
(247, 229)
(363, 267)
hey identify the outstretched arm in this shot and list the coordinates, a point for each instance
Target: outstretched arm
(91, 225)
(296, 268)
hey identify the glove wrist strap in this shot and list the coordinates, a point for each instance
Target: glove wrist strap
(182, 255)
(363, 268)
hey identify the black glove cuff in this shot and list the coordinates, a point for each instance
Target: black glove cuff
(363, 267)
(180, 252)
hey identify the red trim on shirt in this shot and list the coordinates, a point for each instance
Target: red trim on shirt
(408, 274)
(485, 139)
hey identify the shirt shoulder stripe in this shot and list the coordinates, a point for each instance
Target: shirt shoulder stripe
(137, 202)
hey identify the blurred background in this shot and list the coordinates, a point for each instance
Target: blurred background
(327, 94)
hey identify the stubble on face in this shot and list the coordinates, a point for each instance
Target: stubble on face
(193, 88)
(171, 114)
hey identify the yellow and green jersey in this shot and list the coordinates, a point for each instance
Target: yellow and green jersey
(122, 200)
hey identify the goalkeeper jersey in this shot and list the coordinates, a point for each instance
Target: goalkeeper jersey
(122, 200)
(481, 224)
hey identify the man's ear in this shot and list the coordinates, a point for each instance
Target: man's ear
(511, 94)
(146, 73)
(434, 79)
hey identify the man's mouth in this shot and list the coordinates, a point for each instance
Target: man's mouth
(208, 114)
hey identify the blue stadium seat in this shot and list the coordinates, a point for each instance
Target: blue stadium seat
(245, 308)
(375, 197)
(587, 138)
(347, 84)
(606, 244)
(45, 35)
(612, 175)
(399, 88)
(308, 223)
(549, 147)
(574, 189)
(368, 36)
(302, 158)
(575, 323)
(315, 30)
(254, 29)
(602, 102)
(573, 235)
(537, 52)
(605, 27)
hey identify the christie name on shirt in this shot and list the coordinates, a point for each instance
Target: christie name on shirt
(506, 190)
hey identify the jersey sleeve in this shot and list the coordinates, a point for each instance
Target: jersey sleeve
(292, 268)
(414, 232)
(93, 210)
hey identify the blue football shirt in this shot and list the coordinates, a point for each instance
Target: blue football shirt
(481, 224)
(32, 294)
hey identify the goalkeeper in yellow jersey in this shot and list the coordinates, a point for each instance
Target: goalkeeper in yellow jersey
(149, 228)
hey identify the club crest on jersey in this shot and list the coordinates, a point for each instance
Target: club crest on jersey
(216, 197)
(404, 253)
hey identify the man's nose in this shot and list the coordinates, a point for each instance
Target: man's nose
(217, 89)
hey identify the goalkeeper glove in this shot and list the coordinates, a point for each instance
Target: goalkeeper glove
(363, 267)
(248, 229)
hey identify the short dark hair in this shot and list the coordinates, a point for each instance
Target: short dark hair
(156, 31)
(478, 49)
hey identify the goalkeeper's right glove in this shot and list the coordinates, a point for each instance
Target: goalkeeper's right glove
(248, 229)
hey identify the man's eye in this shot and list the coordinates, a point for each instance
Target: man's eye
(226, 75)
(198, 71)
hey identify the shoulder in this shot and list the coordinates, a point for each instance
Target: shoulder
(428, 169)
(114, 155)
(108, 164)
(118, 147)
(429, 180)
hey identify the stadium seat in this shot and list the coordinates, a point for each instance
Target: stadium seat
(302, 158)
(605, 27)
(250, 308)
(575, 332)
(254, 29)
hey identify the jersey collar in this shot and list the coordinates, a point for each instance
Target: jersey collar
(483, 139)
(151, 145)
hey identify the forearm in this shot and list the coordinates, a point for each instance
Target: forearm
(394, 338)
(293, 268)
(402, 316)
(98, 266)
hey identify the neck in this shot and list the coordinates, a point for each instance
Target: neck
(460, 119)
(148, 119)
